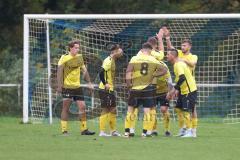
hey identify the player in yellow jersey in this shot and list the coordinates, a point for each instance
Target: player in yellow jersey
(191, 60)
(158, 53)
(69, 70)
(106, 92)
(140, 78)
(185, 88)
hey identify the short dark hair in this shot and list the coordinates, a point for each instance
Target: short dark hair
(152, 40)
(114, 47)
(72, 43)
(164, 25)
(173, 52)
(146, 46)
(187, 41)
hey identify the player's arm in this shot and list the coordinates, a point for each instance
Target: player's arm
(160, 41)
(161, 70)
(86, 77)
(167, 37)
(129, 75)
(169, 82)
(59, 78)
(102, 74)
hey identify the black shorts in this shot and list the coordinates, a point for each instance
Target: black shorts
(187, 102)
(75, 94)
(145, 97)
(162, 100)
(107, 98)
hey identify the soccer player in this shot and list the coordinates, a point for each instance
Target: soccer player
(106, 92)
(69, 70)
(191, 60)
(140, 75)
(185, 88)
(159, 55)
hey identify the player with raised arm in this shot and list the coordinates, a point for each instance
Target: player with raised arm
(191, 60)
(185, 88)
(106, 92)
(140, 75)
(69, 70)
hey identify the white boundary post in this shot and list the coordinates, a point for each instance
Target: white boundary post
(25, 68)
(49, 73)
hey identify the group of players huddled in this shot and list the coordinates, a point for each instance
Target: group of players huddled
(149, 84)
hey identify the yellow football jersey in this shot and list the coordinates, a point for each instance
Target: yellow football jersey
(188, 57)
(189, 85)
(144, 69)
(109, 75)
(162, 81)
(71, 70)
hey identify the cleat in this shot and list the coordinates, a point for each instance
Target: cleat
(188, 134)
(87, 132)
(65, 133)
(116, 134)
(131, 134)
(126, 135)
(154, 133)
(103, 134)
(181, 132)
(168, 134)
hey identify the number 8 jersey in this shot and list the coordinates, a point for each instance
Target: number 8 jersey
(144, 67)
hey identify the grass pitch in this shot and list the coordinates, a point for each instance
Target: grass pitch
(44, 142)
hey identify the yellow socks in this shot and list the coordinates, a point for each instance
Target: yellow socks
(194, 122)
(180, 117)
(135, 115)
(153, 119)
(102, 121)
(129, 120)
(187, 120)
(83, 125)
(166, 121)
(63, 125)
(112, 121)
(147, 125)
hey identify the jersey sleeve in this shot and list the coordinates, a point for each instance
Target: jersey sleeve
(106, 64)
(133, 60)
(159, 55)
(194, 58)
(61, 61)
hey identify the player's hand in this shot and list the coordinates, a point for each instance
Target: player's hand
(169, 97)
(160, 34)
(59, 89)
(107, 87)
(176, 94)
(90, 87)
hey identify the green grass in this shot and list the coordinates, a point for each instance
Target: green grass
(42, 141)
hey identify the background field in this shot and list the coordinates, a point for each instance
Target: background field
(215, 141)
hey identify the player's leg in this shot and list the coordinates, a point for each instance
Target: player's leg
(103, 119)
(180, 117)
(148, 99)
(189, 102)
(79, 98)
(67, 100)
(64, 115)
(153, 114)
(194, 114)
(130, 117)
(132, 127)
(166, 119)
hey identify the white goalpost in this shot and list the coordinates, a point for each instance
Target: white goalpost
(215, 37)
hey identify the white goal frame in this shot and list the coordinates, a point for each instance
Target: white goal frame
(88, 16)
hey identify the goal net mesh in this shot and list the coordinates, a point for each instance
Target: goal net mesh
(216, 42)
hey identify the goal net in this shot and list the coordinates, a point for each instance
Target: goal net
(216, 42)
